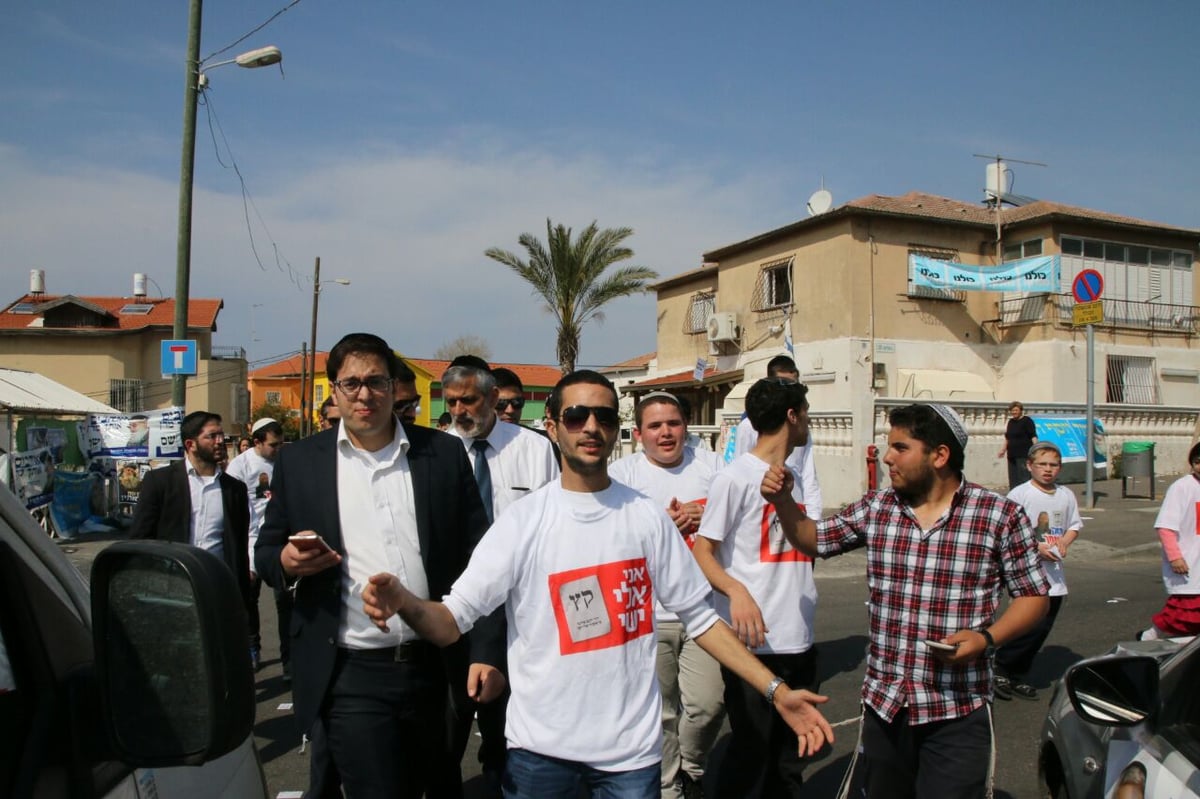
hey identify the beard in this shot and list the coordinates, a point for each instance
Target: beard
(915, 486)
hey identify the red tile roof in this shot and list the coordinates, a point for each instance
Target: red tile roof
(687, 378)
(919, 205)
(641, 360)
(202, 313)
(288, 367)
(531, 374)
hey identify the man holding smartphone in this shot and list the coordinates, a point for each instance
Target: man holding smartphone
(938, 551)
(404, 499)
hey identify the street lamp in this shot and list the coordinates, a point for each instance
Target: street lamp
(194, 83)
(305, 411)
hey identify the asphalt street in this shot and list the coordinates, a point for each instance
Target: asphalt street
(1112, 573)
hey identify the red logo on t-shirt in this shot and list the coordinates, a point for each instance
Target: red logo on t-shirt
(773, 546)
(597, 607)
(689, 536)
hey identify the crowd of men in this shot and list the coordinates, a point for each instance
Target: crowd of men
(599, 621)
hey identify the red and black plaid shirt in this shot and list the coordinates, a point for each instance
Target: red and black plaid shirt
(930, 584)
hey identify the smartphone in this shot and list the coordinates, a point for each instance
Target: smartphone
(940, 647)
(307, 541)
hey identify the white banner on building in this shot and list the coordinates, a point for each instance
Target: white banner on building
(1039, 273)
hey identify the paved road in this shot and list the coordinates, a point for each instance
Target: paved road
(1113, 574)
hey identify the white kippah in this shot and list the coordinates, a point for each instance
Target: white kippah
(953, 421)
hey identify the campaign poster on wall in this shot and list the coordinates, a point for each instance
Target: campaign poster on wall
(33, 476)
(151, 434)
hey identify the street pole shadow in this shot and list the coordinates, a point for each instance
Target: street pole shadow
(1051, 664)
(281, 735)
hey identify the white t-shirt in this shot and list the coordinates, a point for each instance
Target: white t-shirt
(519, 460)
(256, 472)
(1179, 512)
(754, 551)
(577, 574)
(805, 490)
(1061, 513)
(687, 482)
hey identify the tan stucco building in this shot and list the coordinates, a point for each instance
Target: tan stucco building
(867, 337)
(109, 348)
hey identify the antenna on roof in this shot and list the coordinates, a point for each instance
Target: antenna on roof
(996, 193)
(821, 200)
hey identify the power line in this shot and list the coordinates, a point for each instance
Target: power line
(269, 20)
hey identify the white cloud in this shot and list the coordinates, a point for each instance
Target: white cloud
(408, 230)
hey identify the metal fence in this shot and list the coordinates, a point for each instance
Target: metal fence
(1129, 314)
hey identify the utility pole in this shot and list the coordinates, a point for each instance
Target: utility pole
(187, 167)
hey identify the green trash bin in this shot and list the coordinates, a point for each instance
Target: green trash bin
(1137, 463)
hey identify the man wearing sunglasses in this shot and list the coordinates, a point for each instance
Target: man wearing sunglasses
(510, 462)
(677, 477)
(405, 500)
(578, 564)
(510, 399)
(408, 401)
(764, 589)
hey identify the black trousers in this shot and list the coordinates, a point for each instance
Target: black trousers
(762, 759)
(1015, 658)
(384, 722)
(939, 760)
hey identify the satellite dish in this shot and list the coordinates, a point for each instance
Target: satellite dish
(820, 202)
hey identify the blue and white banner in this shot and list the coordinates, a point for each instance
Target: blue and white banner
(1040, 273)
(1069, 434)
(153, 434)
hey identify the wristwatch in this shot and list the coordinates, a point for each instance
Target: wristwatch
(990, 650)
(772, 687)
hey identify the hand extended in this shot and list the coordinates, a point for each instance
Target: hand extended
(1051, 552)
(298, 562)
(798, 709)
(777, 485)
(746, 619)
(485, 683)
(1179, 566)
(382, 598)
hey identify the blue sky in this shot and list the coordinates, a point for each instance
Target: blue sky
(402, 139)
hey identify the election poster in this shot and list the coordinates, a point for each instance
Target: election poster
(33, 476)
(151, 434)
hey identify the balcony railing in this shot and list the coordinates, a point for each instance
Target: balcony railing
(1127, 314)
(228, 353)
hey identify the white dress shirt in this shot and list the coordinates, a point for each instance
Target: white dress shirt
(520, 460)
(208, 512)
(379, 534)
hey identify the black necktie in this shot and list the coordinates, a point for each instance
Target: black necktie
(483, 476)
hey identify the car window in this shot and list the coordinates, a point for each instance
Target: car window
(1179, 722)
(7, 681)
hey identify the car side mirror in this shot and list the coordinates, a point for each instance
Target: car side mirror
(1114, 691)
(172, 664)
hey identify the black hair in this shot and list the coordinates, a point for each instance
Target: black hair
(769, 400)
(1194, 452)
(923, 423)
(194, 422)
(507, 378)
(473, 361)
(261, 433)
(362, 344)
(781, 363)
(583, 376)
(325, 406)
(656, 398)
(445, 418)
(404, 374)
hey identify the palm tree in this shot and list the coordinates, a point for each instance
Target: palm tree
(569, 276)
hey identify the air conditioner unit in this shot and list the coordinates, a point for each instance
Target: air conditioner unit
(722, 326)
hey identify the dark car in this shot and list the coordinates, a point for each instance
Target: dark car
(1126, 724)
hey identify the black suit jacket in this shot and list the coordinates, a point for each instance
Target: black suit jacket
(164, 512)
(450, 522)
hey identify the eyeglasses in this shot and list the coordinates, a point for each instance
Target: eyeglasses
(575, 417)
(778, 381)
(517, 402)
(350, 387)
(467, 399)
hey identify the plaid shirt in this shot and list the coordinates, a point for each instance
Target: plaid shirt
(930, 584)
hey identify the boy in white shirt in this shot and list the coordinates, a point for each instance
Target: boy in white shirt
(1054, 513)
(576, 565)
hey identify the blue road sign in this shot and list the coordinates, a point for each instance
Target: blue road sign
(178, 358)
(1087, 286)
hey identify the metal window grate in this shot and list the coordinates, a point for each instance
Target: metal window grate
(1130, 379)
(774, 287)
(274, 398)
(939, 254)
(703, 305)
(126, 395)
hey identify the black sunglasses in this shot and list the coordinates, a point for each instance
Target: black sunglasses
(575, 417)
(516, 402)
